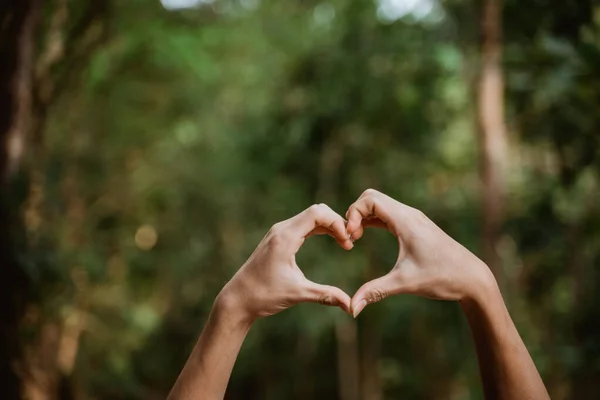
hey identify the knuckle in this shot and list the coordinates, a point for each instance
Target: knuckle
(274, 239)
(371, 196)
(419, 215)
(278, 234)
(276, 229)
(369, 192)
(315, 210)
(326, 299)
(376, 295)
(324, 207)
(375, 202)
(279, 239)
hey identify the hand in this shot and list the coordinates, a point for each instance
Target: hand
(270, 280)
(430, 263)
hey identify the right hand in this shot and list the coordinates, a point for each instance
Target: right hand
(430, 263)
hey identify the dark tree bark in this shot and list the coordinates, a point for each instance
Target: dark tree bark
(492, 132)
(17, 25)
(348, 360)
(346, 332)
(29, 82)
(372, 387)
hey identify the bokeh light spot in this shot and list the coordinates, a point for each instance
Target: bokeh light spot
(146, 237)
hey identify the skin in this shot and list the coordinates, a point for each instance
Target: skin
(431, 264)
(269, 282)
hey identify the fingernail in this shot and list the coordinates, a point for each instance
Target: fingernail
(359, 307)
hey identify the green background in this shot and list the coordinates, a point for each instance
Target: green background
(175, 138)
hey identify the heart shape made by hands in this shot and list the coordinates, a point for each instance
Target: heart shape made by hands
(430, 263)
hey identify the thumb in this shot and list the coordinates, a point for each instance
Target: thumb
(327, 295)
(373, 292)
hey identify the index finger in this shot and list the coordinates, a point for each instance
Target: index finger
(321, 216)
(372, 208)
(367, 206)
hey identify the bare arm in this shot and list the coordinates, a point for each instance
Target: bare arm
(269, 282)
(506, 368)
(207, 371)
(431, 264)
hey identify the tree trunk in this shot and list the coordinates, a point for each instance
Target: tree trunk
(303, 386)
(371, 386)
(18, 20)
(492, 132)
(347, 355)
(371, 352)
(332, 154)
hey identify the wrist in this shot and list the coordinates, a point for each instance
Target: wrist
(482, 288)
(486, 312)
(229, 306)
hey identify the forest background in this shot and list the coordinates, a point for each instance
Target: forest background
(146, 148)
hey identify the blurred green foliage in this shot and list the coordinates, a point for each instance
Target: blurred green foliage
(190, 132)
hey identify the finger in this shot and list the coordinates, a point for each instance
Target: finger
(363, 208)
(327, 295)
(354, 224)
(371, 204)
(370, 222)
(357, 233)
(320, 215)
(375, 291)
(374, 222)
(344, 243)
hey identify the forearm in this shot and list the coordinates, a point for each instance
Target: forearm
(507, 370)
(207, 371)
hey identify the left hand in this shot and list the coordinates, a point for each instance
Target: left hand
(430, 263)
(270, 281)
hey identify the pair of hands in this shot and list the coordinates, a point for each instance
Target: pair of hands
(430, 263)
